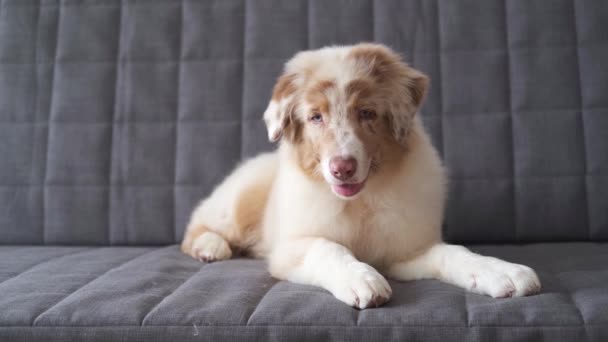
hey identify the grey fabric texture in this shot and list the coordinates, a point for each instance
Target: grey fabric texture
(116, 117)
(157, 293)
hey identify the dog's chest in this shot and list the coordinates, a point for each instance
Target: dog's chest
(373, 233)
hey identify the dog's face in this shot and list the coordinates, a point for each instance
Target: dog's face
(346, 111)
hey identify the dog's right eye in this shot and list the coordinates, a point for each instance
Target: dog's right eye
(316, 118)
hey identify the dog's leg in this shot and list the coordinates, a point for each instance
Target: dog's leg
(230, 217)
(461, 267)
(205, 245)
(323, 263)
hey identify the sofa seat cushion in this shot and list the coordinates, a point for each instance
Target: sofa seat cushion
(156, 293)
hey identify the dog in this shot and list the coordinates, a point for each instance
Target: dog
(354, 192)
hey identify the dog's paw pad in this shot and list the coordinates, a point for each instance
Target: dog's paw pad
(211, 247)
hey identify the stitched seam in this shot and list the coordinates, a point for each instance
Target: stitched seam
(113, 131)
(522, 177)
(236, 59)
(243, 75)
(177, 109)
(511, 124)
(312, 326)
(48, 136)
(53, 259)
(136, 60)
(36, 141)
(130, 121)
(515, 48)
(308, 25)
(255, 308)
(578, 310)
(171, 292)
(112, 268)
(373, 19)
(581, 100)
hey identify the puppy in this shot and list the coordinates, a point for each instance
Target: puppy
(354, 191)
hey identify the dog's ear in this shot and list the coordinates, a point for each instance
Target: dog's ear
(404, 87)
(405, 103)
(418, 85)
(281, 108)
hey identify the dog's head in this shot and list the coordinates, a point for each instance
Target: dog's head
(346, 111)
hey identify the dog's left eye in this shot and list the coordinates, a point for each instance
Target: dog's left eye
(365, 114)
(316, 118)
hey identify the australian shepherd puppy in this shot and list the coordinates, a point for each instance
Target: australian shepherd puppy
(355, 191)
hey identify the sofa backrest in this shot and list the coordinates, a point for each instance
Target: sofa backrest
(116, 117)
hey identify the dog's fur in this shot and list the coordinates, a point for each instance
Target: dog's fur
(356, 102)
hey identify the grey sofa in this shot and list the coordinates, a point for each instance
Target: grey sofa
(116, 117)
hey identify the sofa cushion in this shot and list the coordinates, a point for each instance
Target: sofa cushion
(150, 293)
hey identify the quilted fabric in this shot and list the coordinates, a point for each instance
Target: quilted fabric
(158, 294)
(116, 117)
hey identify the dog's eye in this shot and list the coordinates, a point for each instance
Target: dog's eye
(365, 114)
(316, 118)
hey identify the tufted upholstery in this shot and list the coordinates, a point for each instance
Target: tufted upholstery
(117, 116)
(157, 294)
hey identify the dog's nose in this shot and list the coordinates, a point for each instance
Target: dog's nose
(343, 168)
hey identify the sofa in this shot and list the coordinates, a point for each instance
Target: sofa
(117, 117)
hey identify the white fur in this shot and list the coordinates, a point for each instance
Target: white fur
(211, 247)
(333, 267)
(476, 273)
(273, 123)
(309, 235)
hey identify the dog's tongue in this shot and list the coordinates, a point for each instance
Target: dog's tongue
(348, 190)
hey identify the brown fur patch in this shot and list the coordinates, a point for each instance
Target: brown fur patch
(192, 232)
(322, 86)
(378, 143)
(308, 158)
(387, 65)
(403, 88)
(418, 87)
(380, 60)
(285, 86)
(293, 130)
(370, 127)
(245, 230)
(248, 215)
(308, 150)
(358, 90)
(249, 206)
(315, 95)
(319, 103)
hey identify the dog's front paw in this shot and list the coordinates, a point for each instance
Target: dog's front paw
(361, 286)
(501, 279)
(210, 247)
